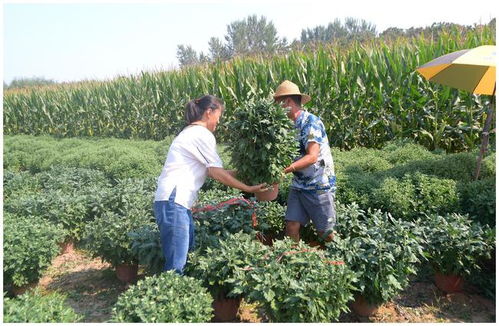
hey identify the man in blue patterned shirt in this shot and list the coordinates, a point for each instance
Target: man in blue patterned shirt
(311, 196)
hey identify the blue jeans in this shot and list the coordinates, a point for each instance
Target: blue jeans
(176, 228)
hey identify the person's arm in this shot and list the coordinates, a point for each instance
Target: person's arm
(313, 150)
(225, 177)
(232, 173)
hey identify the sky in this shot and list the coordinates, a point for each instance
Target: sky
(73, 41)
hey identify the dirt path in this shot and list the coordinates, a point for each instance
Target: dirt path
(91, 285)
(93, 289)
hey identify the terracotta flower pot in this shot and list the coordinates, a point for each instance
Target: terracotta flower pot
(449, 283)
(19, 290)
(127, 273)
(66, 247)
(362, 308)
(269, 194)
(225, 309)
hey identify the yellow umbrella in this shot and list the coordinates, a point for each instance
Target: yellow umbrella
(473, 70)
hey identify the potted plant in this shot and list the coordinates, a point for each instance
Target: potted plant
(262, 144)
(35, 307)
(213, 225)
(28, 250)
(454, 247)
(108, 237)
(272, 213)
(146, 246)
(164, 298)
(382, 250)
(216, 269)
(296, 283)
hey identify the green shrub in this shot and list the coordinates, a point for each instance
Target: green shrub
(414, 195)
(128, 208)
(478, 199)
(356, 187)
(118, 161)
(21, 152)
(488, 168)
(211, 226)
(262, 142)
(216, 267)
(382, 250)
(215, 196)
(69, 196)
(33, 307)
(127, 194)
(29, 204)
(30, 244)
(70, 210)
(458, 167)
(368, 160)
(108, 236)
(284, 187)
(19, 183)
(165, 298)
(146, 246)
(295, 283)
(272, 214)
(398, 153)
(435, 195)
(117, 158)
(397, 197)
(455, 245)
(70, 179)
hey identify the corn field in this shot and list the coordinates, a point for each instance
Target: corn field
(366, 94)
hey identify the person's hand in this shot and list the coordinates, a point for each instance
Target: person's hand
(259, 188)
(289, 169)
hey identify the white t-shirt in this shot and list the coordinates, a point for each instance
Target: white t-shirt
(190, 155)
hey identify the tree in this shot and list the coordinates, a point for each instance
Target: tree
(352, 29)
(392, 33)
(219, 51)
(359, 29)
(253, 36)
(186, 55)
(25, 82)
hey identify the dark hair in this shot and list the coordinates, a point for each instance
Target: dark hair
(195, 109)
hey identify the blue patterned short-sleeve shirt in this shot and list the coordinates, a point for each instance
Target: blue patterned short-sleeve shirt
(320, 175)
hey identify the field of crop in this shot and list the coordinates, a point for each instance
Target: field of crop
(81, 160)
(366, 95)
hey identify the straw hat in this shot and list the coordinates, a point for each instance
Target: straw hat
(289, 88)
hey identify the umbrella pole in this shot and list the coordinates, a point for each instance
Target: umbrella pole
(485, 136)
